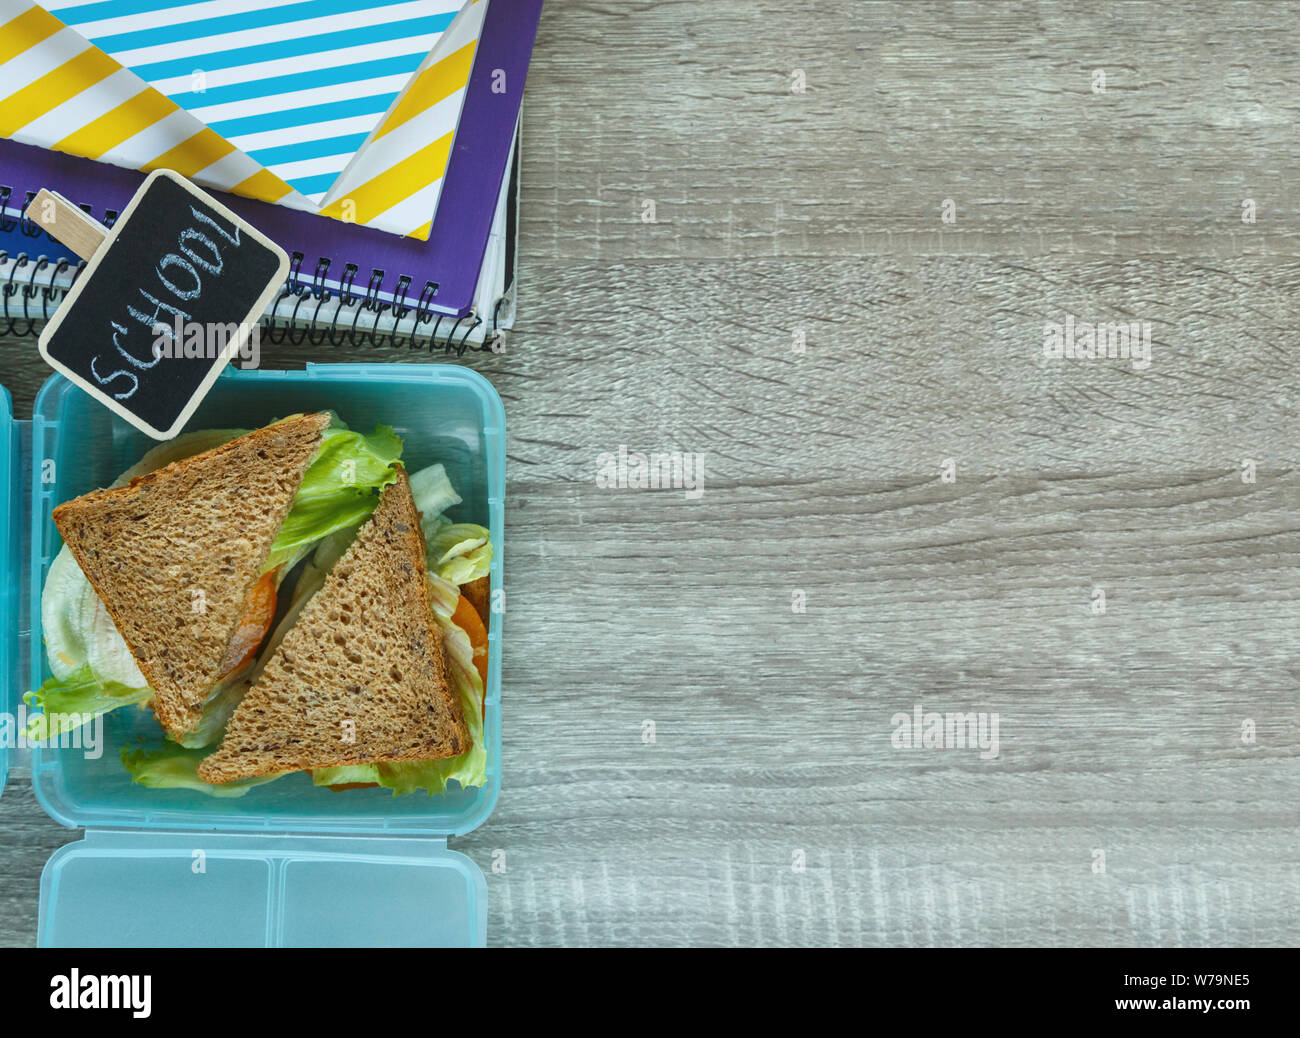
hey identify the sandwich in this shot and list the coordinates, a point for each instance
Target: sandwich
(178, 558)
(181, 588)
(361, 678)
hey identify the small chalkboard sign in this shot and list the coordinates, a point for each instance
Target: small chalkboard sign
(168, 297)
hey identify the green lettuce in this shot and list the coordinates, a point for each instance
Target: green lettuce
(457, 552)
(69, 702)
(174, 767)
(460, 552)
(433, 494)
(339, 490)
(78, 630)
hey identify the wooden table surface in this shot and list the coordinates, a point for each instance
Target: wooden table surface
(947, 498)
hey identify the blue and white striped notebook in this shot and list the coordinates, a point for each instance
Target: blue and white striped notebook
(287, 82)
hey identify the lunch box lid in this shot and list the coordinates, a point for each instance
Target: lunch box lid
(142, 888)
(193, 883)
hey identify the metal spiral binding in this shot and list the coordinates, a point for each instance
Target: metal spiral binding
(29, 297)
(348, 322)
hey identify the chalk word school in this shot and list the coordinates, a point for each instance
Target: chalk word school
(202, 249)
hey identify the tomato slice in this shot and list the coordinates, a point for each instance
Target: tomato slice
(344, 786)
(253, 625)
(467, 619)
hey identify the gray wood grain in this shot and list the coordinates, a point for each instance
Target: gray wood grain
(818, 213)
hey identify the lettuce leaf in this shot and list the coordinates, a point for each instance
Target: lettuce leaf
(344, 774)
(339, 490)
(460, 552)
(174, 767)
(78, 630)
(68, 703)
(433, 494)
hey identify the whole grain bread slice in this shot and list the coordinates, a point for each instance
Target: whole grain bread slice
(362, 677)
(174, 554)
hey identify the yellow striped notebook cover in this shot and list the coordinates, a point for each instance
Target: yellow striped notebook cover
(59, 91)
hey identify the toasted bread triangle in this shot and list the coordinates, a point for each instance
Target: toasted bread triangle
(174, 554)
(362, 677)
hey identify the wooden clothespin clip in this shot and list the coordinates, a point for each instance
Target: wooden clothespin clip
(168, 296)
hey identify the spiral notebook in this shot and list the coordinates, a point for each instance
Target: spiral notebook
(347, 284)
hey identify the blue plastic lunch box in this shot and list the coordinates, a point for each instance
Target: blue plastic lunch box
(288, 864)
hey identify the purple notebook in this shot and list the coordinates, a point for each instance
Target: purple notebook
(443, 272)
